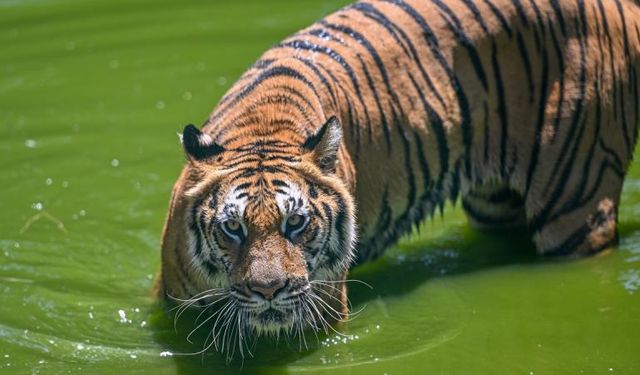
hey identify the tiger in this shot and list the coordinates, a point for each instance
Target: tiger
(346, 135)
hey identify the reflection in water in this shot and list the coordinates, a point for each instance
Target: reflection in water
(630, 278)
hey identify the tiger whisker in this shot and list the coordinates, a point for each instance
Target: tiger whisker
(342, 281)
(203, 323)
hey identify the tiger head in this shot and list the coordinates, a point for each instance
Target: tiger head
(266, 229)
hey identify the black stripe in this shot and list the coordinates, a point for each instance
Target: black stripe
(262, 63)
(538, 26)
(539, 218)
(488, 217)
(456, 27)
(269, 100)
(555, 5)
(501, 18)
(277, 182)
(521, 13)
(569, 245)
(527, 65)
(411, 179)
(605, 166)
(612, 153)
(208, 261)
(422, 160)
(385, 215)
(437, 126)
(627, 57)
(242, 186)
(560, 60)
(535, 150)
(351, 111)
(383, 117)
(502, 110)
(273, 72)
(605, 26)
(575, 201)
(397, 32)
(578, 107)
(250, 160)
(486, 131)
(305, 45)
(320, 76)
(313, 192)
(362, 40)
(476, 14)
(432, 41)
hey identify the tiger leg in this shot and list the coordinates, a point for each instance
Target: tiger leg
(494, 206)
(584, 221)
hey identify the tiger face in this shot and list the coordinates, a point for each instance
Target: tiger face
(269, 229)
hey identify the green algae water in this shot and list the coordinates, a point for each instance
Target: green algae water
(92, 94)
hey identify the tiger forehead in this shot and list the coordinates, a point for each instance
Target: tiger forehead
(261, 153)
(264, 200)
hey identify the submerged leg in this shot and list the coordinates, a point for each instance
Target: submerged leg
(494, 206)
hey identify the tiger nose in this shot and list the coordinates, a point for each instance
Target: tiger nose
(267, 290)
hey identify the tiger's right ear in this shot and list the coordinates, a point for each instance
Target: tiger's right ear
(324, 145)
(197, 145)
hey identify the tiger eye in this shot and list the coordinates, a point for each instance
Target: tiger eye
(232, 225)
(294, 220)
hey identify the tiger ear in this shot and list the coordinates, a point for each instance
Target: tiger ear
(197, 145)
(324, 145)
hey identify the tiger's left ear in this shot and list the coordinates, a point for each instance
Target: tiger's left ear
(197, 145)
(324, 145)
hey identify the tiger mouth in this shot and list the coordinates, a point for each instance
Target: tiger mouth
(271, 317)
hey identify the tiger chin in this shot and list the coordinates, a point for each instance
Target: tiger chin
(527, 112)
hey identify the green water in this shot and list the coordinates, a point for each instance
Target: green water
(91, 97)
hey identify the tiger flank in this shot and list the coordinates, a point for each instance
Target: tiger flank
(344, 136)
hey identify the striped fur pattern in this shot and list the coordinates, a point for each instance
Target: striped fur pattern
(527, 110)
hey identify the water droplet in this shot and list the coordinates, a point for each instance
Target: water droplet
(166, 354)
(115, 162)
(48, 181)
(187, 95)
(30, 143)
(143, 324)
(222, 80)
(114, 64)
(133, 356)
(65, 184)
(38, 206)
(160, 105)
(80, 346)
(90, 315)
(82, 212)
(123, 316)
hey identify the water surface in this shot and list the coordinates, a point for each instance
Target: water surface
(92, 94)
